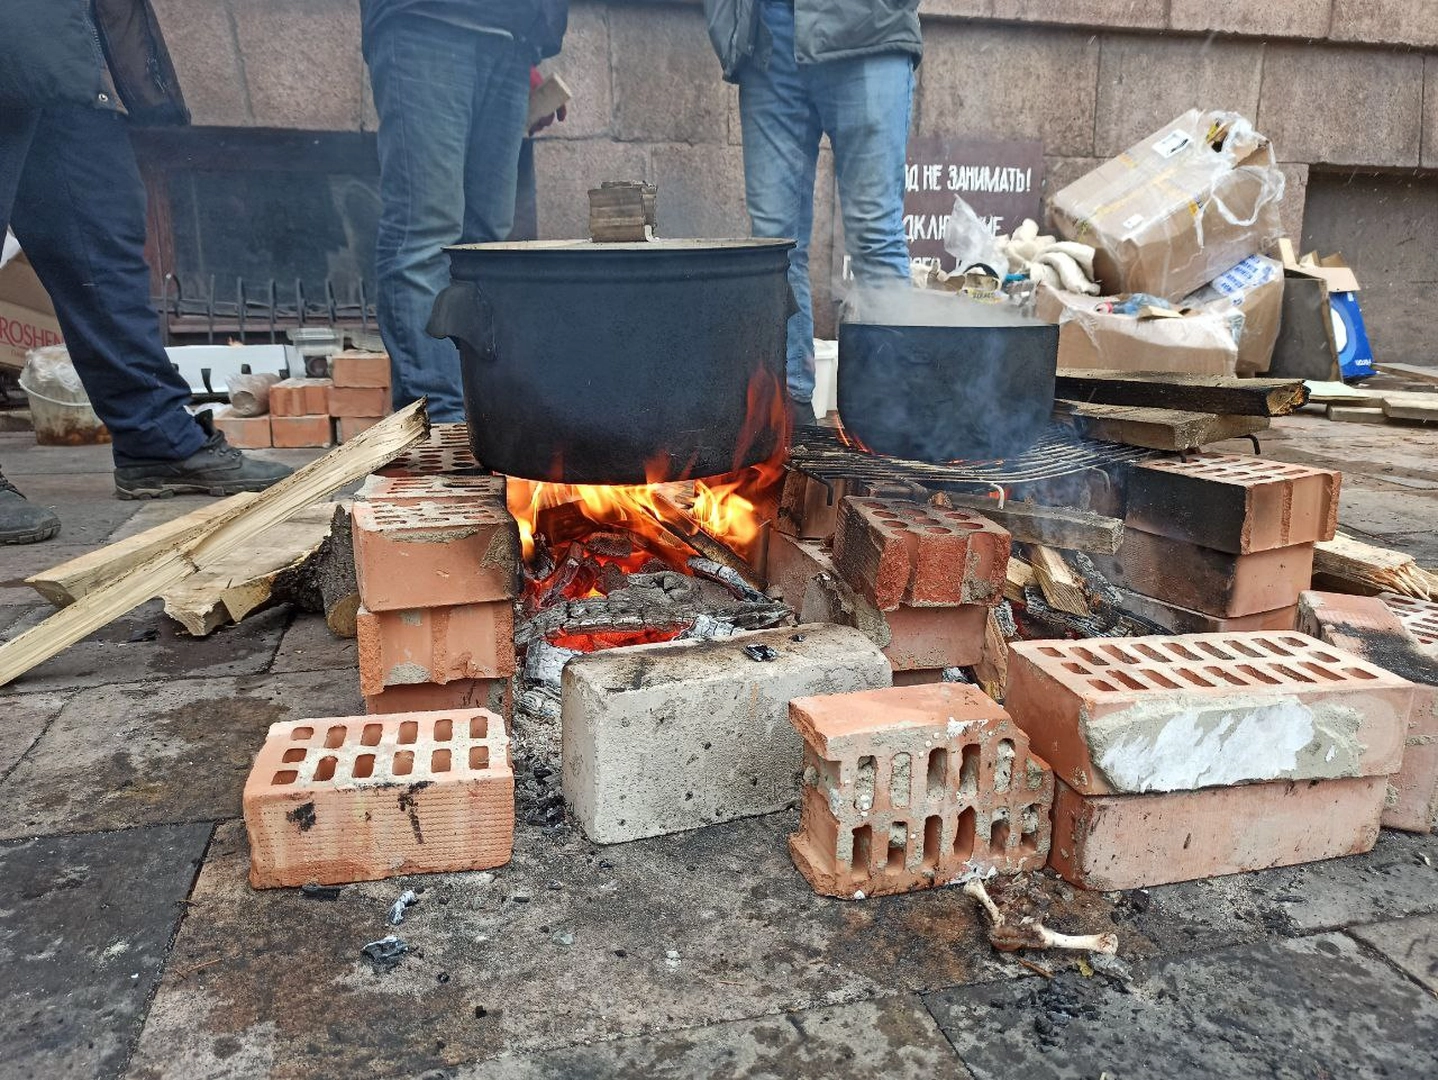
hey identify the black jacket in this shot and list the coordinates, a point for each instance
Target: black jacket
(823, 30)
(58, 52)
(538, 23)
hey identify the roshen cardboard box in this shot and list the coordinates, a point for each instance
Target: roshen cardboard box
(1203, 342)
(1254, 287)
(1170, 214)
(27, 318)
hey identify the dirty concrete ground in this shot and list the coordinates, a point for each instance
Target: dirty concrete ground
(131, 945)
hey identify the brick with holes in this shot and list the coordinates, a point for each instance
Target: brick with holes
(1205, 579)
(441, 487)
(446, 450)
(1367, 627)
(908, 787)
(1111, 842)
(897, 552)
(1205, 710)
(1420, 617)
(496, 695)
(435, 554)
(359, 799)
(435, 645)
(1233, 503)
(300, 397)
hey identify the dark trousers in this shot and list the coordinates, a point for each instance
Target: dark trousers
(70, 188)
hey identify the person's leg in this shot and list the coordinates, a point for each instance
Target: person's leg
(424, 74)
(781, 152)
(491, 174)
(80, 217)
(865, 106)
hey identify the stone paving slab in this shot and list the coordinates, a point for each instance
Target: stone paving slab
(1399, 877)
(894, 1038)
(1412, 944)
(22, 719)
(308, 645)
(19, 561)
(148, 644)
(149, 752)
(1307, 1007)
(87, 920)
(492, 974)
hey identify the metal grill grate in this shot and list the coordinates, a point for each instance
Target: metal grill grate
(822, 454)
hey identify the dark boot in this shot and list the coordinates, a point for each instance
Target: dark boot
(21, 521)
(217, 468)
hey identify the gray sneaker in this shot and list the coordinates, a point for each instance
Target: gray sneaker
(217, 468)
(21, 521)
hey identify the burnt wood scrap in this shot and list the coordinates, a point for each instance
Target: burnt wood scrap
(1224, 394)
(1344, 564)
(1155, 428)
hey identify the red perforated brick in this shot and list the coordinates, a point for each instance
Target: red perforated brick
(936, 637)
(408, 490)
(1235, 504)
(1420, 617)
(246, 432)
(358, 401)
(358, 799)
(496, 695)
(1206, 710)
(435, 554)
(435, 645)
(360, 369)
(1365, 626)
(1207, 580)
(300, 397)
(906, 788)
(347, 427)
(446, 450)
(1135, 841)
(896, 552)
(294, 432)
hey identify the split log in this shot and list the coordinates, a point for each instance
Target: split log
(250, 394)
(1344, 564)
(1057, 581)
(1155, 429)
(232, 531)
(1226, 394)
(992, 670)
(1019, 576)
(680, 524)
(326, 581)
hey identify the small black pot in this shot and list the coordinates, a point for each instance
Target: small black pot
(947, 393)
(610, 363)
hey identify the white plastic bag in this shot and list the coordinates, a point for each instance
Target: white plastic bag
(971, 242)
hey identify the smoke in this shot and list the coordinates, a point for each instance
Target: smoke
(903, 305)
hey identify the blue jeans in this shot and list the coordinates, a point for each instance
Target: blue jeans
(452, 105)
(71, 190)
(863, 105)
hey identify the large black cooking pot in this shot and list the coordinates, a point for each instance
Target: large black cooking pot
(946, 393)
(613, 363)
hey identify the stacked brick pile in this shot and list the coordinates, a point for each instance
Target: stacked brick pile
(911, 787)
(1219, 542)
(438, 561)
(317, 412)
(919, 580)
(359, 799)
(1193, 756)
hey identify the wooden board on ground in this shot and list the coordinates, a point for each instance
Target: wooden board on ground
(1344, 564)
(1355, 414)
(245, 581)
(232, 531)
(1057, 526)
(1226, 394)
(1410, 405)
(1157, 429)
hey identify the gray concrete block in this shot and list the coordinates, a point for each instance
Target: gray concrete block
(202, 44)
(667, 82)
(584, 67)
(1342, 106)
(986, 82)
(1411, 944)
(1290, 18)
(663, 738)
(1147, 14)
(1144, 82)
(701, 190)
(1387, 22)
(1430, 112)
(565, 170)
(302, 63)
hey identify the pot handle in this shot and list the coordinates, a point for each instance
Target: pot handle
(462, 314)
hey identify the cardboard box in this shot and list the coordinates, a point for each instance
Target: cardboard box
(1170, 214)
(1254, 287)
(27, 318)
(1203, 342)
(1323, 336)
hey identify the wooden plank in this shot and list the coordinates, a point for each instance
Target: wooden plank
(1194, 393)
(1056, 579)
(1019, 576)
(1156, 429)
(71, 580)
(1344, 564)
(546, 99)
(232, 531)
(1405, 405)
(1356, 414)
(1057, 526)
